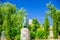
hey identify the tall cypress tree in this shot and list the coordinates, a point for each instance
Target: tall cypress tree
(46, 26)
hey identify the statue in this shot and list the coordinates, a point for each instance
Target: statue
(25, 31)
(25, 22)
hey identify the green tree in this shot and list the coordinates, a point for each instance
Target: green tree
(46, 26)
(34, 26)
(8, 10)
(12, 20)
(18, 23)
(58, 20)
(1, 20)
(40, 34)
(52, 12)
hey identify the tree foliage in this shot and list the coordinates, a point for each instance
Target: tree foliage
(46, 26)
(1, 20)
(33, 28)
(40, 33)
(12, 20)
(35, 24)
(54, 13)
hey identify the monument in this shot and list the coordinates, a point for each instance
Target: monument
(25, 31)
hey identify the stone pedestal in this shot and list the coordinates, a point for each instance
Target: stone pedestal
(25, 35)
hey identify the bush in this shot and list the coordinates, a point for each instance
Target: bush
(17, 37)
(40, 34)
(32, 35)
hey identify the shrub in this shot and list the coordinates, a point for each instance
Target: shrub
(40, 34)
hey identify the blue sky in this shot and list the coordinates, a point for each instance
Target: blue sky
(35, 8)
